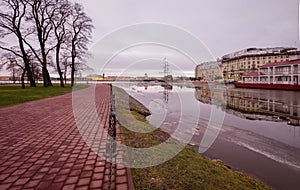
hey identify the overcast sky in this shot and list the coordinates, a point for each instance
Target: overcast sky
(223, 26)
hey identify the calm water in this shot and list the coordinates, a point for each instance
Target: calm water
(260, 134)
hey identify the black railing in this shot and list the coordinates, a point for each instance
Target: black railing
(111, 152)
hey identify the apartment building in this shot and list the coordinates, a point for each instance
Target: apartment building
(287, 72)
(236, 64)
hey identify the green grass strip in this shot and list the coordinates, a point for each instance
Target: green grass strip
(12, 94)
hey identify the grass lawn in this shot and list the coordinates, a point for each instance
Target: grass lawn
(14, 94)
(187, 170)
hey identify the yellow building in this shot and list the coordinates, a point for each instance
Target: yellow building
(236, 64)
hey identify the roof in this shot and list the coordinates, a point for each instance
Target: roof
(260, 52)
(209, 65)
(297, 61)
(252, 74)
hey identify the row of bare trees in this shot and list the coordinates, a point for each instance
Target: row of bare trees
(41, 34)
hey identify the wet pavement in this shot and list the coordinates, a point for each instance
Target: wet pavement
(41, 147)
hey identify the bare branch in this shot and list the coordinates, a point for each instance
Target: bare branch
(12, 51)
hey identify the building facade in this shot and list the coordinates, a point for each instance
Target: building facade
(286, 73)
(209, 71)
(236, 64)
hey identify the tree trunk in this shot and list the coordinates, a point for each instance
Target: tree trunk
(65, 74)
(49, 83)
(58, 66)
(73, 64)
(14, 76)
(29, 74)
(22, 79)
(26, 62)
(72, 74)
(46, 76)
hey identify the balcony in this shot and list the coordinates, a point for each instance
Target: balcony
(280, 72)
(283, 82)
(296, 72)
(283, 73)
(264, 73)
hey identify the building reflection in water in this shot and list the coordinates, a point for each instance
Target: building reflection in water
(268, 105)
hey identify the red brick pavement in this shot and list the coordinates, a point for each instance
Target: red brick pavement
(41, 147)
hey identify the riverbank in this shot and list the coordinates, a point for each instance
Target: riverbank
(187, 170)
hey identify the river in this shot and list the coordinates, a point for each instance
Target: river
(260, 133)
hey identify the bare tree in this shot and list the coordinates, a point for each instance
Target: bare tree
(42, 26)
(41, 15)
(35, 67)
(81, 27)
(11, 65)
(65, 62)
(15, 65)
(12, 16)
(61, 14)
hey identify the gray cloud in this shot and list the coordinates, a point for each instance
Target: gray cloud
(224, 26)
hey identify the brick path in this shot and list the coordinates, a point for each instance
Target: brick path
(41, 147)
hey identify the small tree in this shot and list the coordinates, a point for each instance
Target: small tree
(14, 65)
(12, 16)
(80, 30)
(61, 14)
(65, 61)
(35, 67)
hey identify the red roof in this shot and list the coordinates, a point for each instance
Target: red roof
(252, 74)
(297, 61)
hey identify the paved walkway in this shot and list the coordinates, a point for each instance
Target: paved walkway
(41, 147)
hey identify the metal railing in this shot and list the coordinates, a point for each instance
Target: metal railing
(111, 152)
(280, 72)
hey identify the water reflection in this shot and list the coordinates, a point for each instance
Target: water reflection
(167, 88)
(166, 93)
(270, 105)
(265, 149)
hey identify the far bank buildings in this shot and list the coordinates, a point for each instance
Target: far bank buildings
(232, 67)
